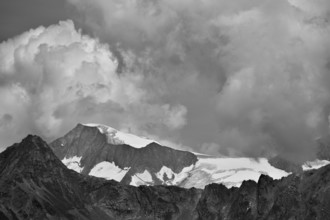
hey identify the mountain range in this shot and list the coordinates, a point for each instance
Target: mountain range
(35, 184)
(102, 151)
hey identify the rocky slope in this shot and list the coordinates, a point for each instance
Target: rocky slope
(34, 184)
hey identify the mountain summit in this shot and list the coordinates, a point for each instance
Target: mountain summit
(118, 137)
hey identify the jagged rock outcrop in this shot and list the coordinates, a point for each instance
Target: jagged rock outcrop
(93, 147)
(34, 184)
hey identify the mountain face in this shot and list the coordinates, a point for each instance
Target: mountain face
(89, 150)
(286, 165)
(34, 184)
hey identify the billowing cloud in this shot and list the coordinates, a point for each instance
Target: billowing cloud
(53, 78)
(222, 77)
(253, 75)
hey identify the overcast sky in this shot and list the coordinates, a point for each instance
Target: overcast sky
(17, 16)
(238, 78)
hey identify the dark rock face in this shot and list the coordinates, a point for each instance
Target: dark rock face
(34, 184)
(286, 165)
(90, 144)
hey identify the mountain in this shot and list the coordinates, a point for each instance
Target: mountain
(92, 150)
(34, 184)
(102, 151)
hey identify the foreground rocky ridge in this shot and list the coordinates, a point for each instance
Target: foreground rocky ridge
(34, 184)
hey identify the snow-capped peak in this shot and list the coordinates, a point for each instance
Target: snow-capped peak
(119, 137)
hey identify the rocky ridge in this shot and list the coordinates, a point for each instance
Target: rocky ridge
(34, 184)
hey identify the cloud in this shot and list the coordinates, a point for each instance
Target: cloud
(53, 78)
(238, 78)
(252, 75)
(5, 120)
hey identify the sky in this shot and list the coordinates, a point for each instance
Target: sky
(236, 78)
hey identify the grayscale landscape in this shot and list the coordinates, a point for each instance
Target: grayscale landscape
(164, 109)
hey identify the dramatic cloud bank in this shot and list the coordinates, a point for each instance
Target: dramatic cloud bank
(253, 75)
(223, 77)
(53, 78)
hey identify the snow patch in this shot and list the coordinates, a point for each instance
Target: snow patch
(73, 163)
(239, 176)
(168, 177)
(229, 171)
(118, 137)
(182, 175)
(144, 178)
(261, 166)
(316, 164)
(108, 170)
